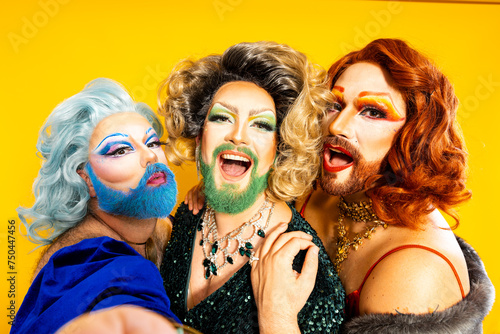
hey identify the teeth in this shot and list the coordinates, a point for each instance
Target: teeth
(335, 150)
(234, 157)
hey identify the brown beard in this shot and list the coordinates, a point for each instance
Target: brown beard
(361, 171)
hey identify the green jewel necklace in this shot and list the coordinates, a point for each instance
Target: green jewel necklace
(213, 246)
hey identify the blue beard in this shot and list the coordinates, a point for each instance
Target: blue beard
(144, 201)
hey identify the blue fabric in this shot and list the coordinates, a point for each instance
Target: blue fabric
(94, 274)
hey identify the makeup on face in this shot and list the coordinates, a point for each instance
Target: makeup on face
(362, 123)
(119, 144)
(242, 116)
(121, 147)
(374, 105)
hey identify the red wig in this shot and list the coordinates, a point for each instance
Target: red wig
(426, 167)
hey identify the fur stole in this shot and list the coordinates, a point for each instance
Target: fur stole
(464, 317)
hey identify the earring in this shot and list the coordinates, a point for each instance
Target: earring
(197, 159)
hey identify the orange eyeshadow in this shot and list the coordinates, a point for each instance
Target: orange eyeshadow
(381, 102)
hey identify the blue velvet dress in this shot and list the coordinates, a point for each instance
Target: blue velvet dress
(91, 275)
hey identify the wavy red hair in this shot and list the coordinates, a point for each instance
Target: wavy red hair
(426, 167)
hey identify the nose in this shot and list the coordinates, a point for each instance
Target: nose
(341, 124)
(238, 135)
(148, 156)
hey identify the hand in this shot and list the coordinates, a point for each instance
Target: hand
(119, 320)
(195, 198)
(280, 292)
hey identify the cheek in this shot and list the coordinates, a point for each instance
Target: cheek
(114, 171)
(212, 137)
(376, 140)
(161, 155)
(266, 151)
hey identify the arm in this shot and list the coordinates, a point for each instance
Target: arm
(122, 319)
(281, 292)
(410, 281)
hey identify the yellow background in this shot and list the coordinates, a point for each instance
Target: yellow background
(51, 48)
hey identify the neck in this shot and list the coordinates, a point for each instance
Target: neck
(359, 196)
(228, 222)
(128, 229)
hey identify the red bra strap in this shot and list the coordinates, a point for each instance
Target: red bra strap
(303, 208)
(414, 246)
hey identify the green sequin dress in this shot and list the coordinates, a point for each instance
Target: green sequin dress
(232, 309)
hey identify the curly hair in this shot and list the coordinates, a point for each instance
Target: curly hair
(61, 195)
(426, 167)
(297, 87)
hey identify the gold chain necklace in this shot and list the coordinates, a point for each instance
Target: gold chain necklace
(359, 212)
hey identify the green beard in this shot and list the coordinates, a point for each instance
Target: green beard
(228, 199)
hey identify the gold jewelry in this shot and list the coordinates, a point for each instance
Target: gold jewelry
(358, 212)
(212, 245)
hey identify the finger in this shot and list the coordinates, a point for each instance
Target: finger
(201, 200)
(270, 238)
(286, 237)
(310, 268)
(194, 200)
(291, 248)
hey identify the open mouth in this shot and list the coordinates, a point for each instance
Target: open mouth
(234, 165)
(336, 158)
(157, 179)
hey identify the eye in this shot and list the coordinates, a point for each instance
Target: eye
(334, 107)
(119, 151)
(262, 125)
(155, 144)
(373, 113)
(220, 118)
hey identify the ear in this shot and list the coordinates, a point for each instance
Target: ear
(87, 180)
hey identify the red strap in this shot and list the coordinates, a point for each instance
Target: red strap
(413, 246)
(303, 208)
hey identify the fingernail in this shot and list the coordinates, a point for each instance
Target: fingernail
(315, 250)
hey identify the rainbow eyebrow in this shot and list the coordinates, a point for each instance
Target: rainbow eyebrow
(338, 92)
(219, 108)
(266, 116)
(118, 134)
(382, 101)
(153, 135)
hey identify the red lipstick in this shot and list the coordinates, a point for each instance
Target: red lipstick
(336, 158)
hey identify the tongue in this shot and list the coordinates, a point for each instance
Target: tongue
(339, 159)
(233, 168)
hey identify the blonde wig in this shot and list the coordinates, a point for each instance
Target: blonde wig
(296, 86)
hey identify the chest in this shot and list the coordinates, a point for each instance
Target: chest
(200, 287)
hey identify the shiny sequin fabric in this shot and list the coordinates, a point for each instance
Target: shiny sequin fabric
(232, 309)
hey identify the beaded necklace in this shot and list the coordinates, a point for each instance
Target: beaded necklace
(213, 246)
(358, 212)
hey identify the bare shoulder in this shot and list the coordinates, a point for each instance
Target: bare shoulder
(418, 280)
(68, 238)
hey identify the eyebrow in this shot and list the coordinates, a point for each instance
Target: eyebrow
(118, 134)
(339, 88)
(234, 109)
(368, 93)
